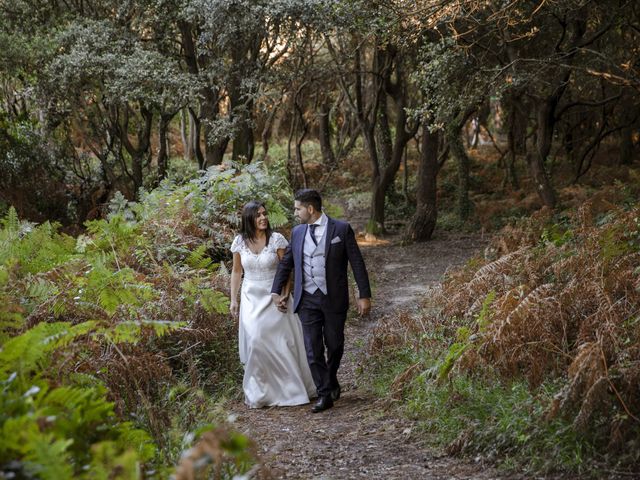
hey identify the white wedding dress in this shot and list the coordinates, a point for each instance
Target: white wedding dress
(271, 344)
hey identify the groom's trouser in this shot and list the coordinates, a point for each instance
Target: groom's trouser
(322, 328)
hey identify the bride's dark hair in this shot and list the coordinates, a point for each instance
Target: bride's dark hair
(248, 221)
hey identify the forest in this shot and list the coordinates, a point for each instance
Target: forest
(133, 132)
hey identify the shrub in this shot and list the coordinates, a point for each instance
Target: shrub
(558, 306)
(98, 332)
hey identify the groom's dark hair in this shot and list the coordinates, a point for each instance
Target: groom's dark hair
(308, 196)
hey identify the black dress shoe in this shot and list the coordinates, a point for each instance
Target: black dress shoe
(335, 394)
(323, 403)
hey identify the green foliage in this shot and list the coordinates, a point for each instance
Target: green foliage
(484, 317)
(132, 331)
(481, 415)
(520, 341)
(197, 259)
(116, 234)
(454, 352)
(465, 340)
(503, 422)
(111, 290)
(10, 222)
(182, 170)
(616, 240)
(227, 190)
(199, 292)
(556, 234)
(44, 427)
(121, 292)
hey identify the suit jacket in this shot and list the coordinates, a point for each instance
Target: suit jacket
(340, 248)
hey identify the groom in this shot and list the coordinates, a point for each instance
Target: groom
(318, 254)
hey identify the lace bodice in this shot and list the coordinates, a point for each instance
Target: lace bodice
(261, 266)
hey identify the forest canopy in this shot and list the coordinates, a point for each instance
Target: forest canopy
(100, 97)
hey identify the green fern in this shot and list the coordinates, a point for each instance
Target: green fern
(132, 331)
(45, 428)
(484, 317)
(115, 235)
(213, 301)
(55, 426)
(11, 222)
(199, 292)
(109, 458)
(11, 312)
(278, 218)
(454, 352)
(47, 458)
(33, 249)
(111, 290)
(22, 353)
(39, 290)
(199, 260)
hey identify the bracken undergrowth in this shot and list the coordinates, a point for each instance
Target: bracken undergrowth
(116, 346)
(533, 349)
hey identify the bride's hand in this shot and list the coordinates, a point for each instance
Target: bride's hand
(234, 308)
(281, 302)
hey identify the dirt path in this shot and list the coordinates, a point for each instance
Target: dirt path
(360, 437)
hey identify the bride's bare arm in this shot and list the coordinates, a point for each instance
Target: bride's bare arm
(236, 278)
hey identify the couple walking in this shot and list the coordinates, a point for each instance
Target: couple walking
(289, 360)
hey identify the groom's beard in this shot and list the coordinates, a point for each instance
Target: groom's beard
(303, 221)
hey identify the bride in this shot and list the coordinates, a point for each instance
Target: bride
(271, 345)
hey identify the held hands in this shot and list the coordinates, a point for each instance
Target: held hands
(280, 301)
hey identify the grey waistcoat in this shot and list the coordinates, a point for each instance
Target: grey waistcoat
(313, 263)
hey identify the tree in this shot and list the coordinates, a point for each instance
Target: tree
(373, 68)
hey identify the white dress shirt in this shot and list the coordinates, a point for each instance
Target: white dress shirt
(321, 225)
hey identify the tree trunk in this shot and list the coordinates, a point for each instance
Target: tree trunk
(382, 183)
(405, 178)
(424, 220)
(324, 134)
(195, 137)
(241, 107)
(453, 135)
(475, 133)
(299, 159)
(138, 152)
(267, 131)
(511, 174)
(392, 149)
(163, 154)
(304, 129)
(192, 139)
(514, 145)
(185, 134)
(209, 110)
(384, 140)
(537, 159)
(243, 142)
(215, 152)
(463, 203)
(209, 106)
(625, 156)
(191, 59)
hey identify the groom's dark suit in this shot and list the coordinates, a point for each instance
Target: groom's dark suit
(323, 316)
